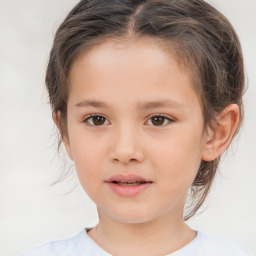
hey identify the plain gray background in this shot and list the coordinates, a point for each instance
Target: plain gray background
(32, 211)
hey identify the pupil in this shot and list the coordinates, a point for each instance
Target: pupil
(158, 120)
(98, 120)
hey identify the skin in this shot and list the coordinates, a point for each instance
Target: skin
(129, 141)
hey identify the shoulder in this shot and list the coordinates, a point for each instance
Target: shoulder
(210, 245)
(70, 246)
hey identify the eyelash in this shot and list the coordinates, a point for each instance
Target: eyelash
(170, 120)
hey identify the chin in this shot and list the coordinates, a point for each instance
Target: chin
(131, 216)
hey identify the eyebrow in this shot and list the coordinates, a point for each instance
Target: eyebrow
(140, 106)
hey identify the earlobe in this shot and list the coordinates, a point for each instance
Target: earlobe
(64, 137)
(219, 138)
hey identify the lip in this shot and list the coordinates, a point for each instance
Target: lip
(125, 178)
(128, 190)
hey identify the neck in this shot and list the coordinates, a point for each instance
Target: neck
(160, 236)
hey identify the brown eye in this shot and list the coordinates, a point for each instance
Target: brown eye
(95, 120)
(159, 120)
(98, 120)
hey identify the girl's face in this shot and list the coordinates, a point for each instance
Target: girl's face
(147, 121)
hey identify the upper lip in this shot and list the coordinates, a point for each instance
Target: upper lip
(126, 178)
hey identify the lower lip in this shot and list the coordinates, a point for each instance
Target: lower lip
(128, 190)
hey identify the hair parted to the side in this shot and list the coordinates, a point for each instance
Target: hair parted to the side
(200, 37)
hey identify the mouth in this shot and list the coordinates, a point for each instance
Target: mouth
(128, 180)
(129, 185)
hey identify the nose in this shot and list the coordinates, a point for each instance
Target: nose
(126, 147)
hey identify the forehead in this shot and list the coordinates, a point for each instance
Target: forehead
(145, 47)
(141, 68)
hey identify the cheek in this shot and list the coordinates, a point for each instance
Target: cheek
(87, 156)
(178, 158)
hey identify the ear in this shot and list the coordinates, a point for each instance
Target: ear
(64, 136)
(219, 138)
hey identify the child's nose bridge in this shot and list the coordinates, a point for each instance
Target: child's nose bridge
(126, 144)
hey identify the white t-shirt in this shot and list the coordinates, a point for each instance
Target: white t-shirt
(83, 245)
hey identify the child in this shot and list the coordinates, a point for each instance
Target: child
(147, 95)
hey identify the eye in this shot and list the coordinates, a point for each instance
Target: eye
(160, 120)
(95, 120)
(99, 120)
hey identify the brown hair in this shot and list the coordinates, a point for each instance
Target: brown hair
(200, 37)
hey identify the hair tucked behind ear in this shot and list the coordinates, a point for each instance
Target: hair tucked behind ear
(198, 35)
